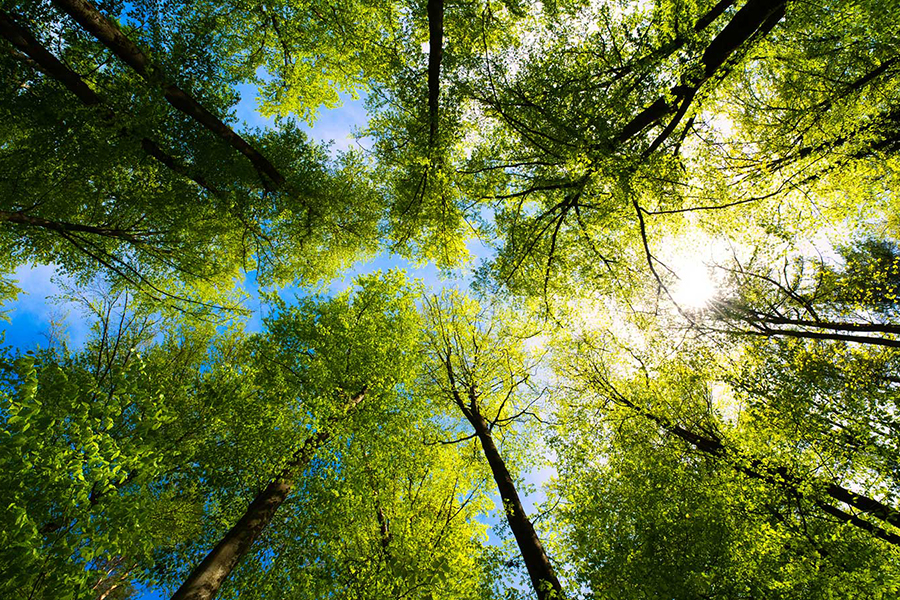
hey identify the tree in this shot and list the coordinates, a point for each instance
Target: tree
(90, 442)
(819, 352)
(483, 373)
(141, 222)
(608, 135)
(654, 463)
(339, 352)
(574, 166)
(851, 301)
(741, 447)
(391, 517)
(182, 429)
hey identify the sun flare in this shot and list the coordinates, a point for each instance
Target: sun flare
(695, 287)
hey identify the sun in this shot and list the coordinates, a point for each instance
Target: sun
(693, 260)
(695, 287)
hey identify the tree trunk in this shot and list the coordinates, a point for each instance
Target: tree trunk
(62, 226)
(543, 579)
(21, 38)
(755, 15)
(25, 42)
(752, 316)
(865, 504)
(818, 335)
(205, 580)
(435, 54)
(113, 38)
(713, 14)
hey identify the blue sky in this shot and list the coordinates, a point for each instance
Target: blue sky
(40, 309)
(41, 312)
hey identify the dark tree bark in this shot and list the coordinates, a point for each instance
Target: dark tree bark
(115, 39)
(865, 504)
(383, 529)
(714, 13)
(754, 316)
(19, 218)
(667, 50)
(819, 335)
(435, 54)
(543, 578)
(21, 38)
(205, 580)
(24, 41)
(756, 16)
(464, 393)
(774, 324)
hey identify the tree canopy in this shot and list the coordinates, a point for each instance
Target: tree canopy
(673, 376)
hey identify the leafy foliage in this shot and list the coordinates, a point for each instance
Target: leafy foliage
(360, 444)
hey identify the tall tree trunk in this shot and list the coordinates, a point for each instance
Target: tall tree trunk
(205, 580)
(713, 14)
(819, 335)
(667, 50)
(109, 33)
(19, 218)
(751, 316)
(19, 36)
(769, 324)
(543, 579)
(25, 42)
(435, 54)
(756, 16)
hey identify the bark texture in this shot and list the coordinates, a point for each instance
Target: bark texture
(435, 54)
(22, 39)
(109, 33)
(543, 578)
(205, 580)
(758, 469)
(756, 17)
(42, 59)
(65, 227)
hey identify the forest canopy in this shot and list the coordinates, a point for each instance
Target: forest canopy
(673, 372)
